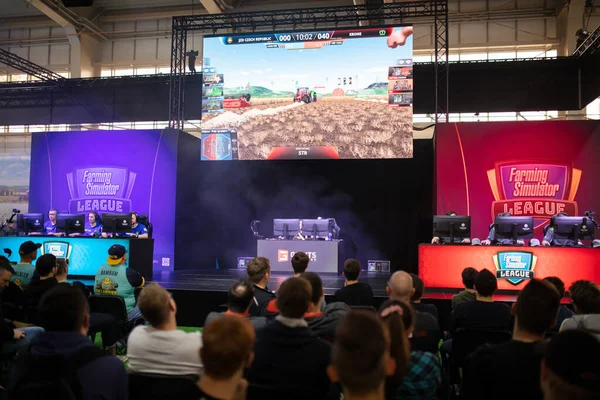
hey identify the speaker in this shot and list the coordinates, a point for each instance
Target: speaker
(78, 3)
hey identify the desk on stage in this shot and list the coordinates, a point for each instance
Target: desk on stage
(440, 266)
(324, 255)
(87, 254)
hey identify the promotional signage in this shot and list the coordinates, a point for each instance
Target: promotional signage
(109, 172)
(322, 254)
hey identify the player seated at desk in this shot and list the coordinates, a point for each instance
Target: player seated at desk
(137, 230)
(50, 225)
(94, 228)
(509, 231)
(565, 231)
(443, 222)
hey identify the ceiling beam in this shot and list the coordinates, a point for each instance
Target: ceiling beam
(212, 6)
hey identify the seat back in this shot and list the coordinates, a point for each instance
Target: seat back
(466, 341)
(144, 220)
(365, 308)
(159, 387)
(111, 305)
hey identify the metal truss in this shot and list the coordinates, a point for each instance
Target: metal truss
(26, 66)
(590, 45)
(320, 17)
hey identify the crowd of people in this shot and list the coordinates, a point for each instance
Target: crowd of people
(293, 345)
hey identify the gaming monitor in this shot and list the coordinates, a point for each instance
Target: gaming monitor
(308, 94)
(70, 223)
(31, 222)
(514, 227)
(458, 226)
(116, 223)
(316, 227)
(574, 228)
(286, 228)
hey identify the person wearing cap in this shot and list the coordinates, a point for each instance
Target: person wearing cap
(115, 279)
(24, 270)
(570, 368)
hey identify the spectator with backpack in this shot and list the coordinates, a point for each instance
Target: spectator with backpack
(62, 363)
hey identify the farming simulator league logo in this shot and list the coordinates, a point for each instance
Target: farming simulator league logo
(57, 249)
(514, 266)
(104, 189)
(539, 190)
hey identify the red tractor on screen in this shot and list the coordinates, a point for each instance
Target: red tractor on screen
(304, 94)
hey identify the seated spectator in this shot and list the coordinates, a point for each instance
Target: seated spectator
(426, 334)
(115, 279)
(64, 352)
(259, 273)
(12, 339)
(300, 262)
(24, 270)
(323, 323)
(490, 368)
(46, 268)
(483, 313)
(225, 353)
(418, 374)
(354, 293)
(469, 275)
(62, 274)
(161, 348)
(415, 299)
(563, 311)
(566, 376)
(585, 297)
(361, 356)
(287, 354)
(239, 301)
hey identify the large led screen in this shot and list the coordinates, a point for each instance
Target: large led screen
(315, 95)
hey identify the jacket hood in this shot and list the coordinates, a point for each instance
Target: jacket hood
(325, 325)
(59, 343)
(278, 334)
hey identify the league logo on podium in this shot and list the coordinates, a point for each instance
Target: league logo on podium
(104, 189)
(58, 249)
(515, 266)
(535, 189)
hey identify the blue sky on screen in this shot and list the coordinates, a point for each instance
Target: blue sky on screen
(365, 60)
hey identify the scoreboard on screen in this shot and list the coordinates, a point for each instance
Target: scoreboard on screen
(335, 37)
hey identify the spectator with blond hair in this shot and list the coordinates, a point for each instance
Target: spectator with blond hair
(162, 348)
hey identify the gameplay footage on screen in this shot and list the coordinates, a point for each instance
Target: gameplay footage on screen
(328, 94)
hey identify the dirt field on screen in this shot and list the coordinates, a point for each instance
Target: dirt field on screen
(355, 128)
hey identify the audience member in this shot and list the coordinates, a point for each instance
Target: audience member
(490, 368)
(415, 299)
(259, 273)
(483, 313)
(361, 356)
(24, 270)
(239, 301)
(62, 274)
(469, 275)
(11, 338)
(300, 263)
(354, 293)
(226, 352)
(115, 279)
(46, 268)
(64, 353)
(426, 333)
(322, 323)
(161, 348)
(418, 374)
(585, 297)
(288, 357)
(570, 368)
(563, 311)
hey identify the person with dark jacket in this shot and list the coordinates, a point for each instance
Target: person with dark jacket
(322, 323)
(415, 299)
(46, 268)
(239, 300)
(563, 312)
(11, 338)
(64, 347)
(259, 273)
(289, 359)
(354, 293)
